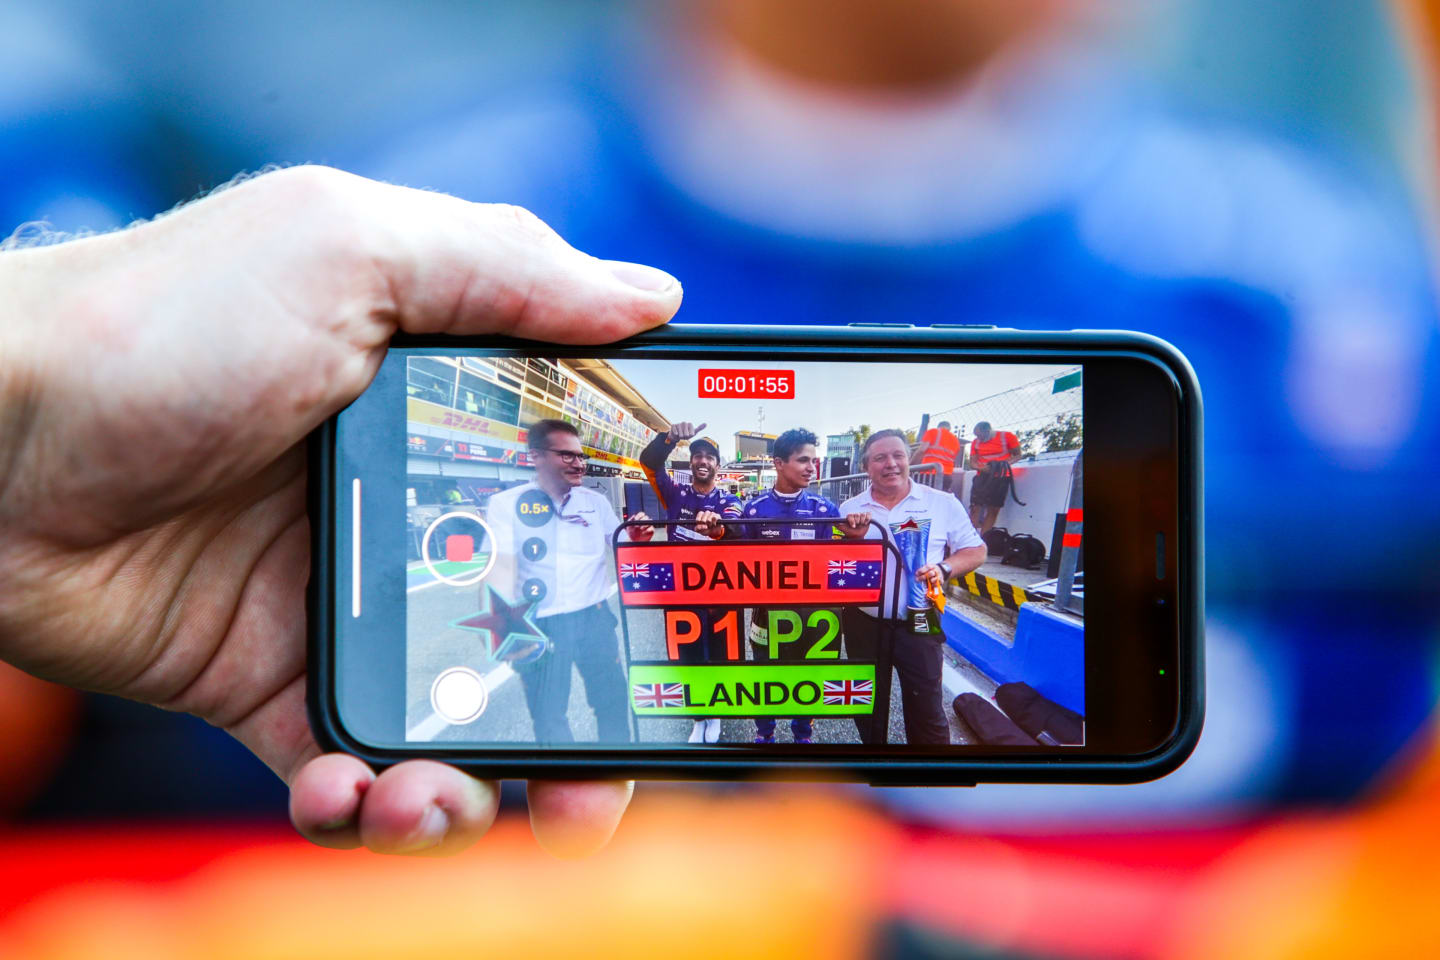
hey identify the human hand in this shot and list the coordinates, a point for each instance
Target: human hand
(684, 430)
(708, 523)
(932, 576)
(641, 534)
(156, 385)
(856, 525)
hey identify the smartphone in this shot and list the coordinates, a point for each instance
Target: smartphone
(857, 553)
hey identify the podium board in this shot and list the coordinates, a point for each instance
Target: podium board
(800, 586)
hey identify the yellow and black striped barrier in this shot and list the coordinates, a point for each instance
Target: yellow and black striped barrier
(998, 592)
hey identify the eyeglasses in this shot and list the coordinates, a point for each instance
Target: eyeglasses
(569, 456)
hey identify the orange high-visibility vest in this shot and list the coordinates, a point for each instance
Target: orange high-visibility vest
(1000, 445)
(947, 448)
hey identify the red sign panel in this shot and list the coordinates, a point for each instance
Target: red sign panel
(803, 573)
(746, 384)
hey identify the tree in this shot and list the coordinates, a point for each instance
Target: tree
(1066, 432)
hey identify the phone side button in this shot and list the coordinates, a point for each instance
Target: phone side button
(966, 326)
(901, 783)
(881, 325)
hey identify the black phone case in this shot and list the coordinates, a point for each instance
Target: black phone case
(861, 339)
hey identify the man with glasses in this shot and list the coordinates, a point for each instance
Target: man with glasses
(553, 557)
(702, 505)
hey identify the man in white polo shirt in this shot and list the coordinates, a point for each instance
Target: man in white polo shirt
(948, 547)
(553, 549)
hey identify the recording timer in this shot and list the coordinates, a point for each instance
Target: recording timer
(747, 384)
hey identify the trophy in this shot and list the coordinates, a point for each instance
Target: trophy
(912, 539)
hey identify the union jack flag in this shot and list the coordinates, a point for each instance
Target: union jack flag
(847, 693)
(656, 695)
(634, 569)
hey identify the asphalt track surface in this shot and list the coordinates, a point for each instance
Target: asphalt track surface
(436, 644)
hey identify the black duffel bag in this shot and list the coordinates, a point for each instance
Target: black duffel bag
(1040, 717)
(990, 725)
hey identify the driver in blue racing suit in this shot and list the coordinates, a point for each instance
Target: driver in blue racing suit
(796, 465)
(702, 504)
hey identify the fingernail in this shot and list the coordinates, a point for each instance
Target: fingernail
(642, 277)
(434, 824)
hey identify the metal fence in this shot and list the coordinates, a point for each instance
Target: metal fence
(1044, 414)
(840, 489)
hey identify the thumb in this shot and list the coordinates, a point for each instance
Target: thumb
(466, 268)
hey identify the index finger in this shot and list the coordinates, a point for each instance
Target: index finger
(424, 807)
(418, 806)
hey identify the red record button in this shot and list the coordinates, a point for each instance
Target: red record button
(747, 384)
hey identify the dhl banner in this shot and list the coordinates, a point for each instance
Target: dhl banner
(609, 457)
(423, 411)
(842, 689)
(805, 572)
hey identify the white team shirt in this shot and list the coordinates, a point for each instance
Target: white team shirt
(950, 530)
(577, 568)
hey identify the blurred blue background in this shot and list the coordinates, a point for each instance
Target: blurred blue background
(1252, 182)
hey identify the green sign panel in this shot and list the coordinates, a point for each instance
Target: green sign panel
(1068, 382)
(841, 689)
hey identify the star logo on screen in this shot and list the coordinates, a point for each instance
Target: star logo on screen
(512, 635)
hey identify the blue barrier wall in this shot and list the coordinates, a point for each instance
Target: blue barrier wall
(1048, 653)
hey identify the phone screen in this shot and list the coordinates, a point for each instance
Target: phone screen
(759, 553)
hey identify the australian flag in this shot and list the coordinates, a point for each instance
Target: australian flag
(647, 576)
(847, 693)
(852, 574)
(654, 695)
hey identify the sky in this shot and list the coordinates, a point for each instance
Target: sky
(829, 397)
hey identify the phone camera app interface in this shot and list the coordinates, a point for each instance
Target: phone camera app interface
(743, 555)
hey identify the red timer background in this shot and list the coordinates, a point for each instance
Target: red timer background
(746, 384)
